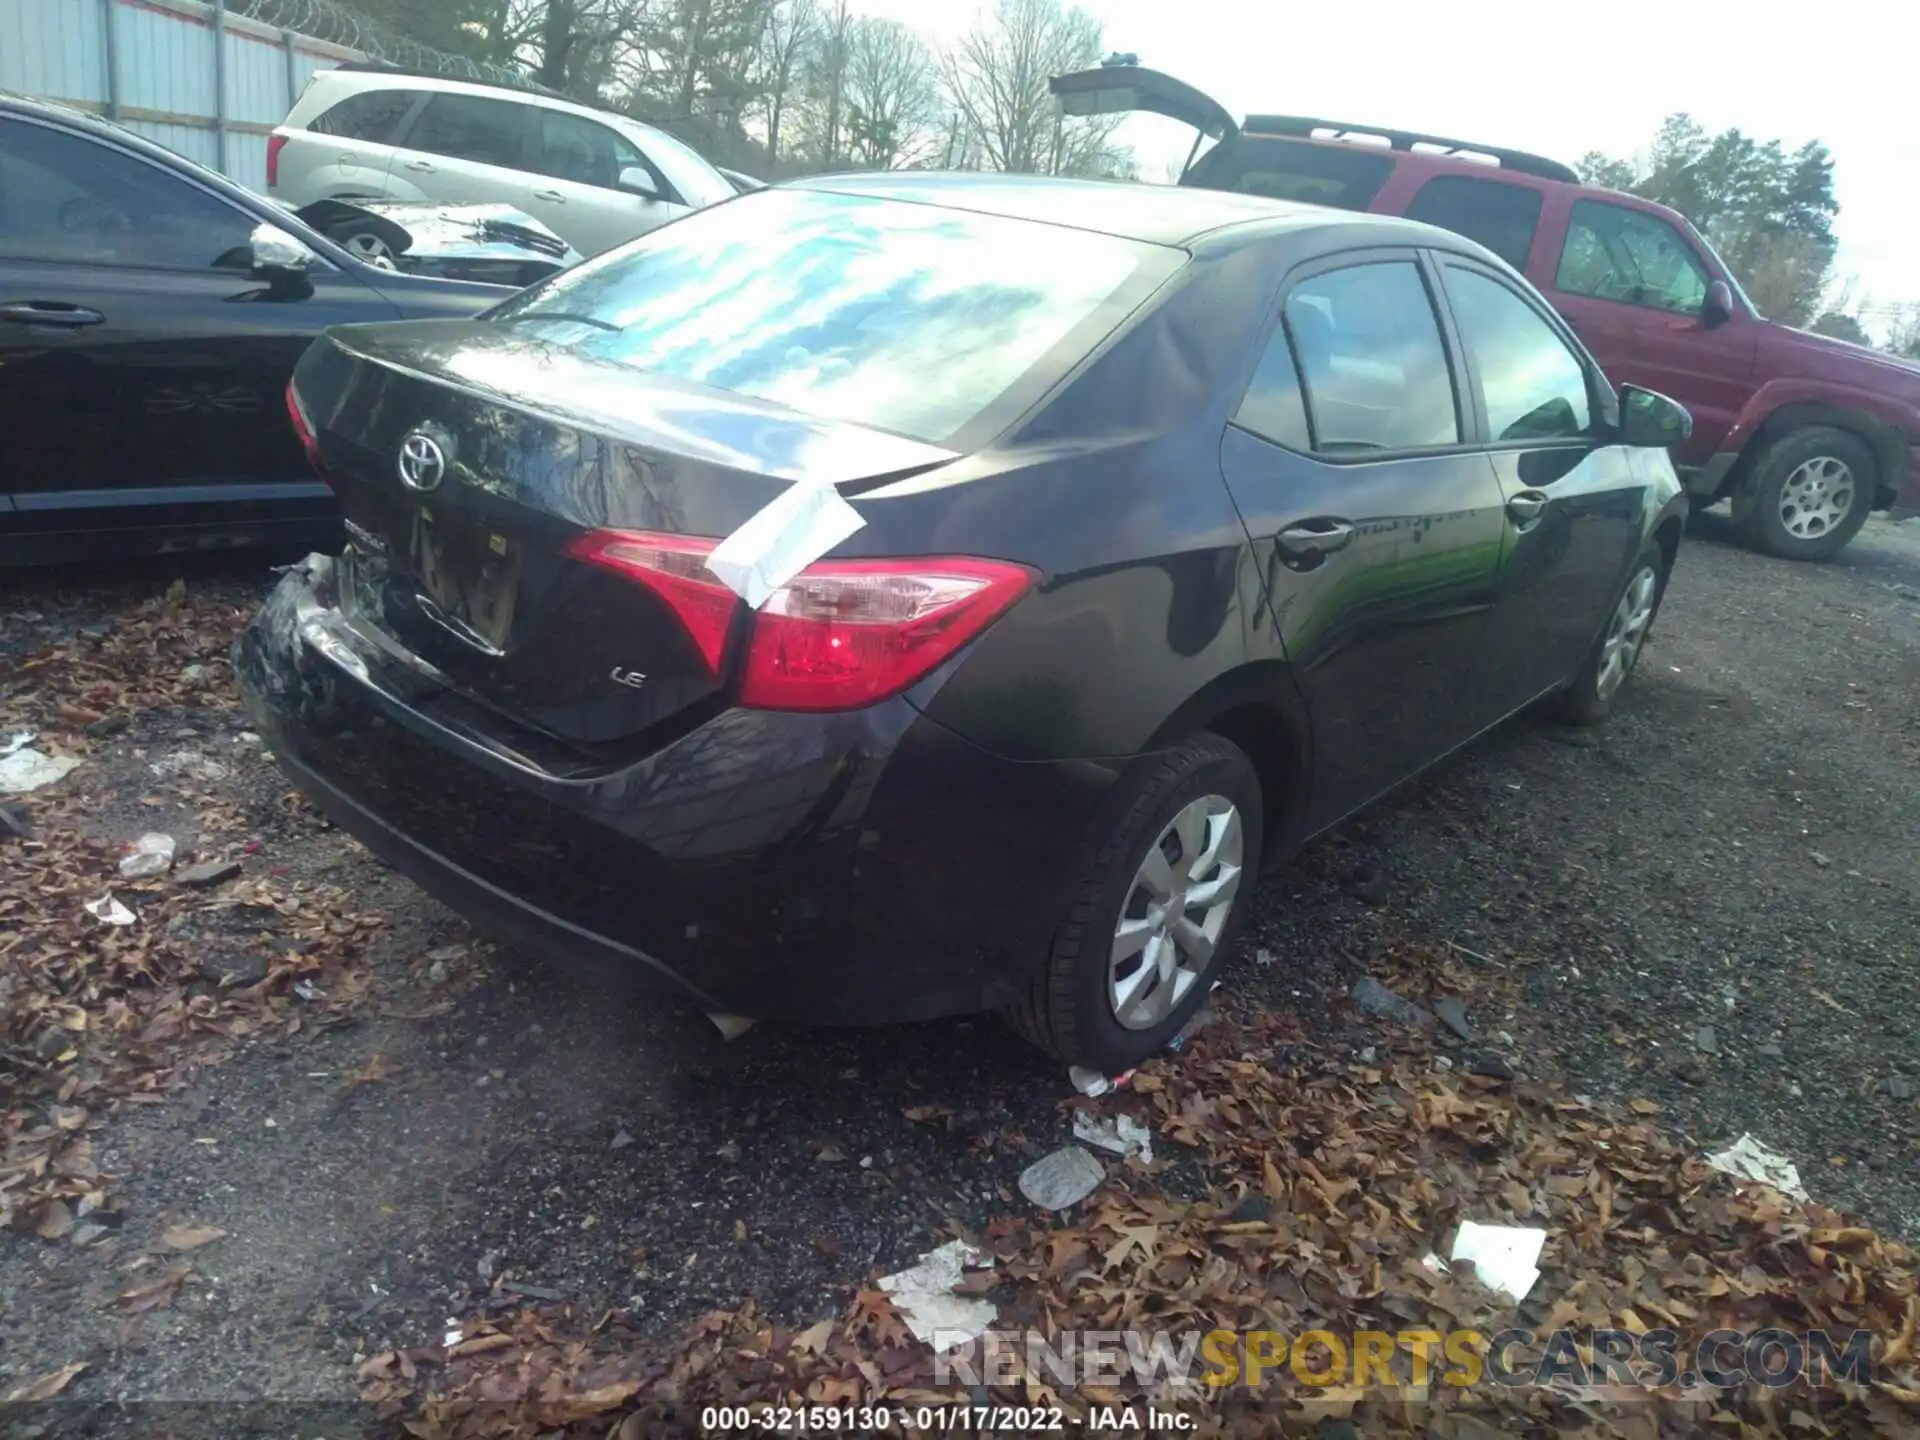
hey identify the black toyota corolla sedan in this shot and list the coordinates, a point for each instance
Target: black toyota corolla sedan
(886, 597)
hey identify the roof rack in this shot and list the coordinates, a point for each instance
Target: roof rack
(382, 67)
(1309, 127)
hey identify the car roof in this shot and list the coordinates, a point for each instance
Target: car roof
(360, 76)
(1156, 214)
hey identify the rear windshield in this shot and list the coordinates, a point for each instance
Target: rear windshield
(1344, 176)
(907, 317)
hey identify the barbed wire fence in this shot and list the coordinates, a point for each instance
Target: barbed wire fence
(341, 25)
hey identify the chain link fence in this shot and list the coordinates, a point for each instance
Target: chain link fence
(340, 25)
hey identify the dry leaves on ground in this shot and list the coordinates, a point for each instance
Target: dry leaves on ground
(1326, 1190)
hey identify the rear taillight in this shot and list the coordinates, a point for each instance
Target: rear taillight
(839, 635)
(303, 427)
(275, 144)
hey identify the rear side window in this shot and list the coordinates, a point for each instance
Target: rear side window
(1500, 216)
(905, 317)
(1370, 352)
(472, 127)
(1346, 177)
(1534, 387)
(1273, 407)
(1613, 253)
(374, 115)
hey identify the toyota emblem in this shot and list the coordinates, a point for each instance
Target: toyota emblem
(423, 464)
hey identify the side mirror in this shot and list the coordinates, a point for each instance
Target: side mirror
(282, 261)
(1719, 307)
(1652, 421)
(638, 180)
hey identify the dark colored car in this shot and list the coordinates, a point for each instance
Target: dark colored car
(145, 350)
(892, 596)
(1805, 434)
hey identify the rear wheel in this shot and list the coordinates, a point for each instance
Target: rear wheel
(1590, 698)
(1810, 493)
(1158, 903)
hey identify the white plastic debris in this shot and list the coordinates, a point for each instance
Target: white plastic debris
(1066, 1177)
(923, 1294)
(781, 539)
(1504, 1256)
(152, 854)
(189, 762)
(731, 1027)
(109, 909)
(1123, 1134)
(307, 990)
(1748, 1159)
(23, 768)
(1093, 1083)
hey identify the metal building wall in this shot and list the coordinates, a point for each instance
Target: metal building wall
(189, 75)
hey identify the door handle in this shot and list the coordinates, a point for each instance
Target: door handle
(50, 312)
(1316, 537)
(554, 195)
(425, 167)
(1526, 508)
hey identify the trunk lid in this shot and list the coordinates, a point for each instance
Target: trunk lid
(468, 461)
(1125, 89)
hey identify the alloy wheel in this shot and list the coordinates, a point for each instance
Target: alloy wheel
(1816, 497)
(1175, 912)
(1627, 631)
(370, 248)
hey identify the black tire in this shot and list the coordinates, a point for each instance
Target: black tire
(1759, 507)
(1584, 702)
(1067, 1011)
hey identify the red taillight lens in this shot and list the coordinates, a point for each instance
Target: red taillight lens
(275, 144)
(674, 567)
(303, 427)
(840, 635)
(845, 633)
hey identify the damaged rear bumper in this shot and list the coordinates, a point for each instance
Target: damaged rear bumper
(855, 868)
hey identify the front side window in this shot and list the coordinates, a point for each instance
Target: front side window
(574, 148)
(66, 197)
(1613, 253)
(373, 115)
(905, 317)
(1344, 176)
(1534, 386)
(1499, 215)
(472, 127)
(1370, 352)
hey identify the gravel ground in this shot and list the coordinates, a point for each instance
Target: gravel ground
(1710, 903)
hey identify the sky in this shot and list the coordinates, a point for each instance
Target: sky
(1558, 80)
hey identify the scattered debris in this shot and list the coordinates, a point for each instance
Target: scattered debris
(152, 854)
(308, 991)
(232, 968)
(1453, 1013)
(437, 973)
(109, 909)
(1748, 1159)
(17, 821)
(1066, 1177)
(25, 769)
(621, 1140)
(731, 1027)
(45, 1388)
(1899, 1087)
(537, 1292)
(923, 1294)
(1093, 1084)
(1505, 1257)
(188, 762)
(207, 874)
(1706, 1040)
(1123, 1134)
(1373, 998)
(190, 1237)
(1823, 861)
(1265, 958)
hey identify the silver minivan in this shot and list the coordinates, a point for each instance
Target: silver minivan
(594, 178)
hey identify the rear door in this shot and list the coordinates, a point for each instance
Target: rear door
(347, 149)
(1634, 289)
(1574, 499)
(594, 187)
(141, 365)
(1377, 525)
(465, 148)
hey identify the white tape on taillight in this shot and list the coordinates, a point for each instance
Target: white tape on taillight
(781, 539)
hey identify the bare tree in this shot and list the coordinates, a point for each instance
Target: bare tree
(997, 76)
(892, 95)
(827, 83)
(791, 31)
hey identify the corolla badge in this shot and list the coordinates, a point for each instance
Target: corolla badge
(423, 463)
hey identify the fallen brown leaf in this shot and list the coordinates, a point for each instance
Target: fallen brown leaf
(190, 1237)
(46, 1387)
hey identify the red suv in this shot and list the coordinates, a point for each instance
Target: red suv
(1806, 434)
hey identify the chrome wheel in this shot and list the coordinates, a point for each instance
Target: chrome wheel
(1626, 631)
(1175, 912)
(1816, 497)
